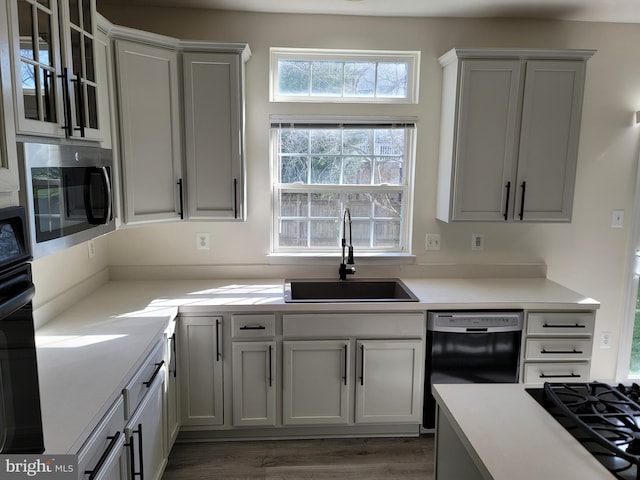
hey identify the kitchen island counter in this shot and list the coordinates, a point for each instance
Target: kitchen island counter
(502, 433)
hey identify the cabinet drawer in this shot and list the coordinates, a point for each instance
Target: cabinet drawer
(135, 391)
(106, 441)
(565, 323)
(558, 349)
(369, 325)
(556, 372)
(243, 326)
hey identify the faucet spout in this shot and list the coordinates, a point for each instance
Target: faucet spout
(347, 265)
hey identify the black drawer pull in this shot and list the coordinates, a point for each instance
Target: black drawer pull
(576, 325)
(155, 374)
(103, 458)
(570, 375)
(569, 352)
(253, 327)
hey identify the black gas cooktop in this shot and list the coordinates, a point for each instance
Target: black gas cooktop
(605, 419)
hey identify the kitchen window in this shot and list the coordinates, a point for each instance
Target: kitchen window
(322, 167)
(344, 76)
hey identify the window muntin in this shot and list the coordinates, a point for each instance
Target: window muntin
(319, 170)
(308, 75)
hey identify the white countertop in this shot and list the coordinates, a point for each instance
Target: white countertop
(86, 355)
(510, 436)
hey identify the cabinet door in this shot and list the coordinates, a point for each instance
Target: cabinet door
(213, 111)
(551, 117)
(172, 397)
(254, 383)
(78, 43)
(35, 52)
(316, 382)
(146, 433)
(389, 381)
(9, 178)
(147, 78)
(200, 364)
(486, 139)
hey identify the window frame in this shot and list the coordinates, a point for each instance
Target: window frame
(406, 188)
(341, 55)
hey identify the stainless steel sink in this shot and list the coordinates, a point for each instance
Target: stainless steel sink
(354, 290)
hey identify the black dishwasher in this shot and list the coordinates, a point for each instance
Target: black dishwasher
(470, 347)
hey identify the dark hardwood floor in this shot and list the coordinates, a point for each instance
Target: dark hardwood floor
(362, 458)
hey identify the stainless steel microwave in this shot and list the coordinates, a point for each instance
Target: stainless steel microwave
(66, 190)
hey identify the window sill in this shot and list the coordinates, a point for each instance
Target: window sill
(332, 258)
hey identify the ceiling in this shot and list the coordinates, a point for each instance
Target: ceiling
(620, 11)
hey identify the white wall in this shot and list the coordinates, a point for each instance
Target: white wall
(585, 255)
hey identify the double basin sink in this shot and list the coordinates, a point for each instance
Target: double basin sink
(355, 290)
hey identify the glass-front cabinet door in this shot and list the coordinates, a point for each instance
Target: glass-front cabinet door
(54, 70)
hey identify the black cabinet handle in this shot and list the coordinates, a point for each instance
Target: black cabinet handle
(218, 354)
(576, 325)
(113, 440)
(80, 106)
(253, 327)
(506, 203)
(361, 364)
(132, 451)
(345, 364)
(155, 374)
(573, 351)
(175, 358)
(66, 98)
(179, 183)
(270, 366)
(570, 375)
(524, 188)
(235, 198)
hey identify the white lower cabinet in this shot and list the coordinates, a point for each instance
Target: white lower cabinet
(145, 413)
(254, 383)
(389, 381)
(558, 346)
(316, 382)
(200, 370)
(103, 455)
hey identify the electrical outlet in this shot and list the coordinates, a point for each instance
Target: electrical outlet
(477, 241)
(432, 241)
(91, 248)
(606, 339)
(617, 219)
(202, 241)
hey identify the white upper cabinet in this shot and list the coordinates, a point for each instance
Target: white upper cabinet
(9, 178)
(509, 134)
(55, 76)
(161, 81)
(150, 138)
(214, 136)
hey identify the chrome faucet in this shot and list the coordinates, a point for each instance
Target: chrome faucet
(346, 267)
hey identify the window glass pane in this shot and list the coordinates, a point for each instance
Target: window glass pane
(357, 171)
(293, 77)
(76, 52)
(74, 12)
(326, 142)
(388, 171)
(357, 142)
(324, 233)
(294, 141)
(45, 53)
(294, 204)
(386, 234)
(25, 28)
(88, 60)
(29, 96)
(293, 233)
(387, 204)
(325, 205)
(359, 79)
(392, 79)
(361, 232)
(294, 169)
(326, 78)
(325, 170)
(87, 24)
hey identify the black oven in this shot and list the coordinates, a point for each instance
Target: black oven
(20, 414)
(67, 192)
